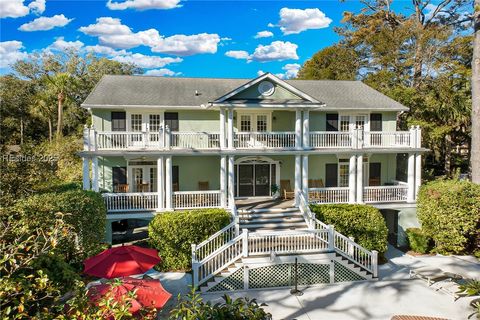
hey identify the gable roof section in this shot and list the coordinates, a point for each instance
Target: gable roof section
(115, 91)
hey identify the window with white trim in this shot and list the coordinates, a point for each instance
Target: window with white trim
(360, 120)
(136, 122)
(245, 123)
(343, 172)
(262, 122)
(154, 122)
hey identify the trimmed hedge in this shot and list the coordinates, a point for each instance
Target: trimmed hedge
(449, 211)
(173, 233)
(364, 223)
(417, 240)
(83, 210)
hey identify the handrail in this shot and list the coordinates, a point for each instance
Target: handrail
(215, 241)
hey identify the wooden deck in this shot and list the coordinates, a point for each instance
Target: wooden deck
(263, 203)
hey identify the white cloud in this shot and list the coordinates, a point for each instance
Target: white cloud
(112, 33)
(297, 20)
(10, 52)
(37, 6)
(277, 50)
(61, 45)
(184, 45)
(45, 23)
(13, 9)
(260, 72)
(162, 72)
(291, 71)
(237, 54)
(271, 25)
(263, 34)
(144, 61)
(104, 50)
(143, 4)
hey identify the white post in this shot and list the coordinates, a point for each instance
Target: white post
(231, 181)
(360, 144)
(168, 137)
(223, 181)
(92, 140)
(161, 138)
(298, 178)
(194, 266)
(298, 129)
(419, 137)
(222, 128)
(245, 243)
(351, 178)
(245, 277)
(331, 237)
(168, 183)
(360, 178)
(230, 129)
(160, 184)
(411, 178)
(86, 138)
(418, 173)
(375, 263)
(305, 176)
(306, 128)
(413, 137)
(86, 173)
(95, 174)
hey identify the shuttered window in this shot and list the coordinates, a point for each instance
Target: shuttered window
(171, 120)
(332, 122)
(119, 121)
(376, 122)
(331, 175)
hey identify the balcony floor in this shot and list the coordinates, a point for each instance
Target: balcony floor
(263, 203)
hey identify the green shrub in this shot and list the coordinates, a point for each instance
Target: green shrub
(471, 288)
(173, 233)
(417, 240)
(364, 223)
(83, 210)
(193, 307)
(60, 273)
(449, 211)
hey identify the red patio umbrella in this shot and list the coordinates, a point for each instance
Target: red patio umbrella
(121, 261)
(149, 293)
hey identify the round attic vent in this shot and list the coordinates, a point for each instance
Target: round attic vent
(266, 88)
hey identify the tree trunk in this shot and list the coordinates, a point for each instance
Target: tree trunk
(448, 155)
(418, 63)
(61, 99)
(21, 131)
(475, 155)
(50, 130)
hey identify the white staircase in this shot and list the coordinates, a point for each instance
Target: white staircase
(272, 219)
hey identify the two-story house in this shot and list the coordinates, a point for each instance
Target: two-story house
(159, 144)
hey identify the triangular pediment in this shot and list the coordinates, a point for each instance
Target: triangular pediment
(266, 88)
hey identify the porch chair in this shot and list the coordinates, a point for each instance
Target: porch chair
(175, 187)
(286, 189)
(143, 187)
(203, 185)
(316, 183)
(121, 188)
(201, 199)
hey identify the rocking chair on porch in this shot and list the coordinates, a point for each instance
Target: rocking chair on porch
(286, 189)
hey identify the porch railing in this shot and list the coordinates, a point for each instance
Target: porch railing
(245, 140)
(329, 139)
(125, 202)
(195, 140)
(117, 140)
(328, 195)
(196, 199)
(385, 193)
(385, 139)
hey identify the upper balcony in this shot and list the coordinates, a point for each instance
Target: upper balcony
(166, 140)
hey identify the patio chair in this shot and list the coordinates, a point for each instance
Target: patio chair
(143, 187)
(286, 188)
(175, 187)
(120, 188)
(203, 185)
(317, 194)
(432, 274)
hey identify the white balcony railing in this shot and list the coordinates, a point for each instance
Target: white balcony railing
(328, 195)
(116, 140)
(247, 140)
(195, 140)
(383, 139)
(196, 199)
(330, 139)
(125, 202)
(396, 193)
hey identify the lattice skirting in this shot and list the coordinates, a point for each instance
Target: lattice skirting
(283, 275)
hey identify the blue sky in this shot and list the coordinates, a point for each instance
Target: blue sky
(177, 38)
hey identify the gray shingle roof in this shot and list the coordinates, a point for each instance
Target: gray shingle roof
(121, 91)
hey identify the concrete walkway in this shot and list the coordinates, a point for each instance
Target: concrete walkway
(394, 294)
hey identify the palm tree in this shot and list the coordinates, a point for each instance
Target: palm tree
(60, 84)
(475, 155)
(43, 107)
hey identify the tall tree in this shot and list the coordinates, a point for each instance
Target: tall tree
(475, 153)
(63, 85)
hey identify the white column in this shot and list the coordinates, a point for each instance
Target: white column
(351, 178)
(95, 173)
(223, 181)
(160, 184)
(231, 181)
(360, 178)
(306, 128)
(230, 129)
(168, 182)
(411, 178)
(222, 128)
(418, 173)
(298, 177)
(298, 129)
(86, 173)
(305, 176)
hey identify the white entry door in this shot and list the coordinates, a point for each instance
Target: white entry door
(142, 178)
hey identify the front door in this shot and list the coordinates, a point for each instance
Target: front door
(262, 180)
(254, 180)
(143, 178)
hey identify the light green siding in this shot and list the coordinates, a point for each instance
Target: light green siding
(280, 93)
(191, 170)
(316, 166)
(317, 121)
(105, 171)
(101, 120)
(388, 166)
(202, 120)
(389, 121)
(283, 121)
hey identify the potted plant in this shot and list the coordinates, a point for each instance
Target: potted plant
(274, 190)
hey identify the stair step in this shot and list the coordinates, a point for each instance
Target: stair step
(270, 215)
(279, 220)
(267, 210)
(276, 226)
